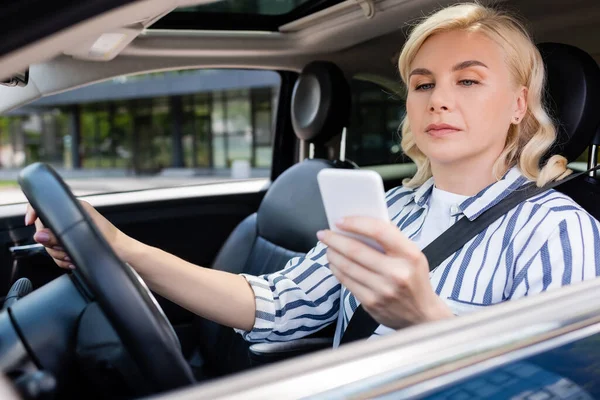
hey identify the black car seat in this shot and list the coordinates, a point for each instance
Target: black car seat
(573, 85)
(289, 215)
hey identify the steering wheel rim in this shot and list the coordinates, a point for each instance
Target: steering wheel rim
(122, 295)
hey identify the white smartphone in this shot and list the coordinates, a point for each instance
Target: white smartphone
(352, 193)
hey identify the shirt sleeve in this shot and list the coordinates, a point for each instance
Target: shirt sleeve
(569, 255)
(292, 303)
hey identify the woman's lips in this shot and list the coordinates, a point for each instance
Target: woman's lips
(441, 132)
(438, 130)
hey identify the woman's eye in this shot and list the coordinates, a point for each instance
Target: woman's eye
(468, 82)
(424, 86)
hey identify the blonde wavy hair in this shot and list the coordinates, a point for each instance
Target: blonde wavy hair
(526, 142)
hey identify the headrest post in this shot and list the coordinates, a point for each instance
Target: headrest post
(311, 151)
(592, 160)
(343, 146)
(596, 139)
(304, 150)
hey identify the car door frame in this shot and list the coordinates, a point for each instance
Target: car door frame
(426, 358)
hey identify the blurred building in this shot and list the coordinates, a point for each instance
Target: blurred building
(146, 123)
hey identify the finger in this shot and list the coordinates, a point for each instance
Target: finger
(46, 238)
(30, 215)
(356, 272)
(58, 255)
(39, 225)
(65, 264)
(362, 293)
(386, 234)
(353, 249)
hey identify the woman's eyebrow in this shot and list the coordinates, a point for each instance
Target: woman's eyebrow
(468, 64)
(420, 71)
(457, 67)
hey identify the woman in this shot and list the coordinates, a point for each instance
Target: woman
(477, 131)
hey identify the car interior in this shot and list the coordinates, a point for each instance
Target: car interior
(99, 332)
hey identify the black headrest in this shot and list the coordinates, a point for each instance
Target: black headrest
(573, 96)
(320, 102)
(292, 211)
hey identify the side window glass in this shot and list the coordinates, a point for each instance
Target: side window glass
(144, 131)
(373, 134)
(570, 371)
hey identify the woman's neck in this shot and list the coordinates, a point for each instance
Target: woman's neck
(466, 178)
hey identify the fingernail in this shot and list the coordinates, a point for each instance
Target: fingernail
(26, 218)
(42, 237)
(340, 221)
(58, 248)
(67, 258)
(71, 266)
(320, 235)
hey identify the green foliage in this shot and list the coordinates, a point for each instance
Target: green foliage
(4, 130)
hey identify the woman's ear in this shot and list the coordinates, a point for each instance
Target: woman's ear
(520, 105)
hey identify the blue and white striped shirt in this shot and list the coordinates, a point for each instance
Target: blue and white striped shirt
(546, 242)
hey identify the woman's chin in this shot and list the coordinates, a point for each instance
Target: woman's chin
(444, 161)
(444, 154)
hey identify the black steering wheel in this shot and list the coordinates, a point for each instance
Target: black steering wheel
(122, 295)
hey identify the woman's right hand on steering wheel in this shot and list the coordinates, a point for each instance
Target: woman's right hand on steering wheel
(46, 237)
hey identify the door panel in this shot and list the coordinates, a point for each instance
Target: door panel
(191, 228)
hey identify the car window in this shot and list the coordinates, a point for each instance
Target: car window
(373, 134)
(566, 372)
(144, 131)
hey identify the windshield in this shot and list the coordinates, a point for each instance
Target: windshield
(146, 131)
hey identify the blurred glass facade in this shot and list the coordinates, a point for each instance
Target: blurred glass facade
(144, 124)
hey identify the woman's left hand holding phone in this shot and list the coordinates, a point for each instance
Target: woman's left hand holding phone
(393, 287)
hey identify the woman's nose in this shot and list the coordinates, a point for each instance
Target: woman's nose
(440, 108)
(440, 100)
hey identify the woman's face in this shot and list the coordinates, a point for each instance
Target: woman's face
(462, 99)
